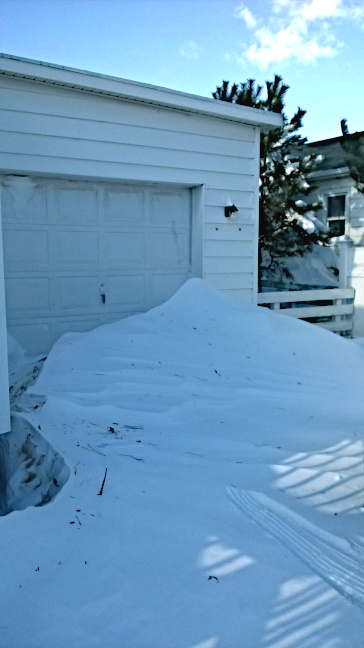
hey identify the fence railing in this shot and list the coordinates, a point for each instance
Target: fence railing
(330, 308)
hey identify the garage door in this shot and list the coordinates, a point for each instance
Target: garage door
(79, 254)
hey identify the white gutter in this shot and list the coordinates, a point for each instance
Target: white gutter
(102, 84)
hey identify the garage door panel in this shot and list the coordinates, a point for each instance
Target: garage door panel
(123, 249)
(26, 249)
(169, 208)
(74, 205)
(61, 325)
(163, 286)
(35, 337)
(92, 252)
(169, 249)
(28, 294)
(24, 200)
(123, 206)
(125, 291)
(77, 293)
(73, 249)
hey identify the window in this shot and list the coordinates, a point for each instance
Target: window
(336, 215)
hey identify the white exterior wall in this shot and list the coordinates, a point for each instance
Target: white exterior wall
(356, 216)
(63, 132)
(333, 186)
(4, 381)
(354, 229)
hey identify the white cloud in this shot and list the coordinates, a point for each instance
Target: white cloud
(318, 9)
(290, 43)
(297, 30)
(243, 12)
(190, 50)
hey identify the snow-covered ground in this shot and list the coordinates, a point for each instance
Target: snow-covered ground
(233, 505)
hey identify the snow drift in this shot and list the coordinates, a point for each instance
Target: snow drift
(196, 400)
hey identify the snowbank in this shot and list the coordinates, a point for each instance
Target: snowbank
(232, 439)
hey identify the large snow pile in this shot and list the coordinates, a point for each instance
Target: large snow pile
(318, 268)
(231, 514)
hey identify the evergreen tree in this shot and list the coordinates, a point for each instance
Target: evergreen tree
(287, 222)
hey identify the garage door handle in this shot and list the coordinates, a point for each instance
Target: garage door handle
(103, 298)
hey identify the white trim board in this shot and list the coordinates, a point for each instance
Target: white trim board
(134, 91)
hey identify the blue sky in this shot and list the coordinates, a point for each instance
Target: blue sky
(192, 45)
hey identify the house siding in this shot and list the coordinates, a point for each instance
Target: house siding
(4, 384)
(356, 216)
(354, 229)
(62, 132)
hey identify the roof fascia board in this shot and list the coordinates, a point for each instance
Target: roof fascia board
(134, 91)
(329, 173)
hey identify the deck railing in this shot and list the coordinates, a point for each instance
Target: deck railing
(330, 308)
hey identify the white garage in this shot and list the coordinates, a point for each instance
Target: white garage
(113, 194)
(79, 254)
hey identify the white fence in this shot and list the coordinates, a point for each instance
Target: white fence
(330, 308)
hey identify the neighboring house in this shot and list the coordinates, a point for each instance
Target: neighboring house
(343, 212)
(113, 195)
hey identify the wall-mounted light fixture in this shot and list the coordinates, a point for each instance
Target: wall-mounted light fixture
(230, 210)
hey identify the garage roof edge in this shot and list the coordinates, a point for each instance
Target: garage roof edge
(115, 87)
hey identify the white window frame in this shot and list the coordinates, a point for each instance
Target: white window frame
(329, 219)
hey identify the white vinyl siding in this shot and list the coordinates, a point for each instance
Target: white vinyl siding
(4, 383)
(356, 214)
(62, 132)
(354, 203)
(354, 229)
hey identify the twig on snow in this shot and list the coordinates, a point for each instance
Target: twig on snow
(92, 449)
(102, 485)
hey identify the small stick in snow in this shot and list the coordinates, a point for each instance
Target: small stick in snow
(132, 456)
(103, 482)
(92, 449)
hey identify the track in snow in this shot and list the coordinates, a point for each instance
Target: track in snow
(332, 558)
